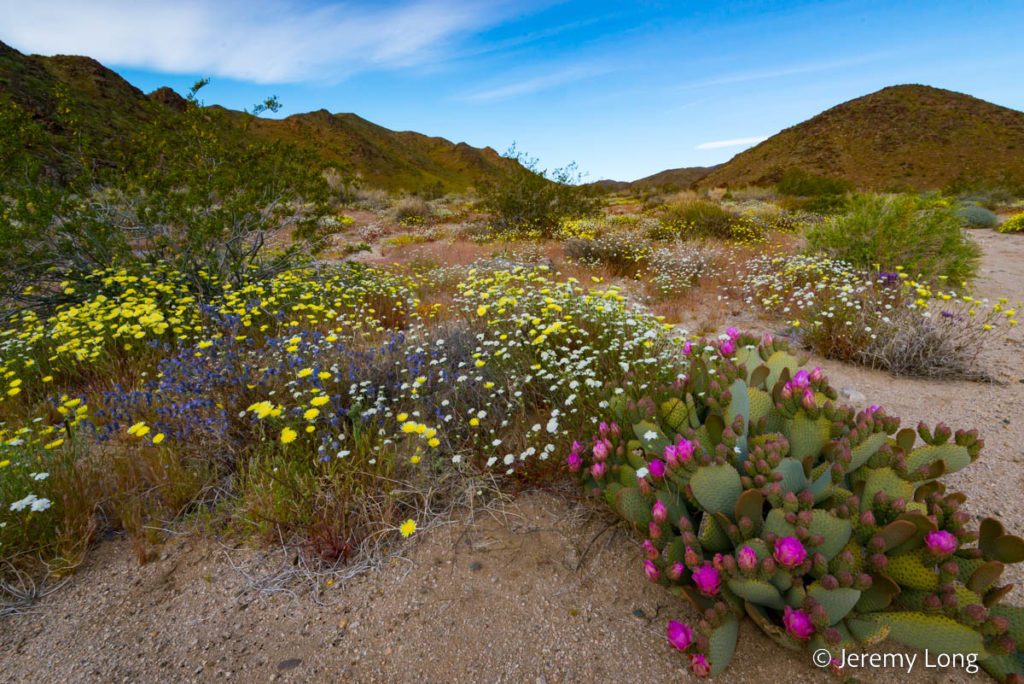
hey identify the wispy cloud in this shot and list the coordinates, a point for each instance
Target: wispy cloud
(263, 42)
(735, 142)
(789, 71)
(538, 83)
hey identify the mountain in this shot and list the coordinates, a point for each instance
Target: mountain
(903, 137)
(107, 110)
(682, 178)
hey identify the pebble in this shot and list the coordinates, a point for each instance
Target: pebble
(850, 395)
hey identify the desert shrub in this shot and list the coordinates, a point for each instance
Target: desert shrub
(882, 232)
(529, 200)
(799, 183)
(757, 496)
(620, 254)
(698, 218)
(1014, 224)
(977, 216)
(410, 211)
(372, 199)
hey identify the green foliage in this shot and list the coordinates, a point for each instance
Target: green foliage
(411, 211)
(533, 201)
(830, 529)
(191, 190)
(977, 216)
(698, 218)
(883, 232)
(1014, 224)
(802, 184)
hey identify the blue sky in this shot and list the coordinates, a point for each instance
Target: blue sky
(625, 89)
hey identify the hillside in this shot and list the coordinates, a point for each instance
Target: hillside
(901, 137)
(107, 109)
(682, 178)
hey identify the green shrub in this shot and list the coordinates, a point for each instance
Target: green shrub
(411, 211)
(881, 232)
(1014, 224)
(698, 218)
(529, 200)
(977, 216)
(620, 254)
(802, 184)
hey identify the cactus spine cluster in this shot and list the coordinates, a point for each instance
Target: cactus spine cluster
(759, 496)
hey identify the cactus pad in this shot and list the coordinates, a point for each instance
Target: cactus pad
(716, 488)
(937, 633)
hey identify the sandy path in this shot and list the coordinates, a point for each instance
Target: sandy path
(502, 598)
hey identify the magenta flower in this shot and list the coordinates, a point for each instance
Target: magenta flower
(649, 550)
(656, 469)
(816, 375)
(707, 580)
(746, 558)
(684, 450)
(789, 552)
(767, 339)
(680, 636)
(597, 470)
(659, 512)
(800, 379)
(808, 400)
(675, 571)
(615, 430)
(576, 447)
(652, 570)
(733, 333)
(600, 451)
(687, 348)
(699, 665)
(727, 347)
(602, 429)
(940, 542)
(798, 623)
(574, 462)
(670, 455)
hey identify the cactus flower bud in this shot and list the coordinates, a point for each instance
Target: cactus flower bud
(654, 530)
(650, 551)
(600, 451)
(767, 339)
(816, 374)
(798, 623)
(932, 603)
(615, 430)
(878, 562)
(808, 400)
(675, 571)
(699, 665)
(670, 456)
(975, 614)
(727, 347)
(602, 429)
(707, 580)
(598, 470)
(680, 636)
(747, 559)
(684, 450)
(940, 543)
(687, 348)
(652, 570)
(829, 582)
(867, 518)
(691, 558)
(659, 512)
(573, 461)
(789, 552)
(644, 486)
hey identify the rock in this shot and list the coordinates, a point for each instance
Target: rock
(475, 565)
(850, 395)
(289, 664)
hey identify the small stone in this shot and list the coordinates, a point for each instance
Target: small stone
(637, 612)
(851, 396)
(475, 565)
(289, 664)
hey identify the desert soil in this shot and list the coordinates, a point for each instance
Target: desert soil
(540, 589)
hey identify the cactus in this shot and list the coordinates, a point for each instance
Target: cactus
(762, 497)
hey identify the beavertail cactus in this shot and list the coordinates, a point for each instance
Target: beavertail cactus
(760, 496)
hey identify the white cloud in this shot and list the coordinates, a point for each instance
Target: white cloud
(789, 71)
(735, 142)
(263, 42)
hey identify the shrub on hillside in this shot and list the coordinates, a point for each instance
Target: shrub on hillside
(698, 218)
(799, 183)
(977, 216)
(882, 232)
(620, 254)
(411, 211)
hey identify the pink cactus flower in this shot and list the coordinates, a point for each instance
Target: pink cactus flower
(649, 550)
(684, 450)
(656, 468)
(652, 570)
(798, 623)
(659, 512)
(654, 530)
(707, 580)
(789, 552)
(680, 636)
(800, 379)
(577, 448)
(727, 347)
(940, 542)
(699, 665)
(767, 339)
(746, 558)
(733, 334)
(598, 470)
(602, 429)
(816, 375)
(574, 462)
(687, 348)
(670, 456)
(808, 400)
(600, 451)
(675, 571)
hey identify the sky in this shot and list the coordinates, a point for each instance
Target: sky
(624, 89)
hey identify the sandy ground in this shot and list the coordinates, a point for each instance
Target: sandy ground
(540, 589)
